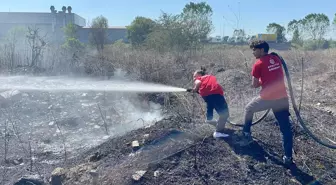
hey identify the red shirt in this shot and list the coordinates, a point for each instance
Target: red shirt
(209, 86)
(268, 69)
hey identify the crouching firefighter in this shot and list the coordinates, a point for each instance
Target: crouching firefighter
(267, 73)
(212, 93)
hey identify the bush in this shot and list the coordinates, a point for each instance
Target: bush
(315, 44)
(73, 43)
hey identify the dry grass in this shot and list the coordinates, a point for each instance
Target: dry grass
(234, 64)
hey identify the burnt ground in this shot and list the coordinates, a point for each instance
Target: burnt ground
(206, 160)
(175, 150)
(44, 130)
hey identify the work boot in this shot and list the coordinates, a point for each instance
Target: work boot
(288, 161)
(220, 134)
(245, 139)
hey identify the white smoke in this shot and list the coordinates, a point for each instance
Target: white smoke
(77, 118)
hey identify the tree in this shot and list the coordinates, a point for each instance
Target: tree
(316, 25)
(225, 39)
(98, 35)
(139, 30)
(72, 45)
(196, 21)
(296, 37)
(312, 27)
(239, 36)
(12, 42)
(37, 44)
(279, 30)
(238, 33)
(71, 38)
(70, 31)
(295, 27)
(168, 34)
(183, 31)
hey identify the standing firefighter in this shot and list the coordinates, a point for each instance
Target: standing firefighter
(267, 73)
(212, 93)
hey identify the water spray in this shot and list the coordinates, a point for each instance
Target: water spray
(80, 84)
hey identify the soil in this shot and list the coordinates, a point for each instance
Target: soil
(208, 161)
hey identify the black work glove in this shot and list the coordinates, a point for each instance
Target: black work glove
(191, 90)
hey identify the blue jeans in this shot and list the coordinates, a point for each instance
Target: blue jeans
(281, 112)
(217, 102)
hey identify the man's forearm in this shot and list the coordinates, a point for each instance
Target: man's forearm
(196, 86)
(258, 84)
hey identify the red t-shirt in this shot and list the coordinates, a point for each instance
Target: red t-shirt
(268, 69)
(209, 86)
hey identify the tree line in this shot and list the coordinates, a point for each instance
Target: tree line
(312, 29)
(187, 30)
(190, 30)
(193, 25)
(173, 32)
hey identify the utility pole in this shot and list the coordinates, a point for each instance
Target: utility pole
(223, 27)
(238, 13)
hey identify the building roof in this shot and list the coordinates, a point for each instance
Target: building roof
(25, 12)
(110, 27)
(36, 18)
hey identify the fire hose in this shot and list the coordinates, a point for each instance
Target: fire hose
(296, 110)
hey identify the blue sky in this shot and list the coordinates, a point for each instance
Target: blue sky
(254, 15)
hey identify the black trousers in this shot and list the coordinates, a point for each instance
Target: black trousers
(217, 102)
